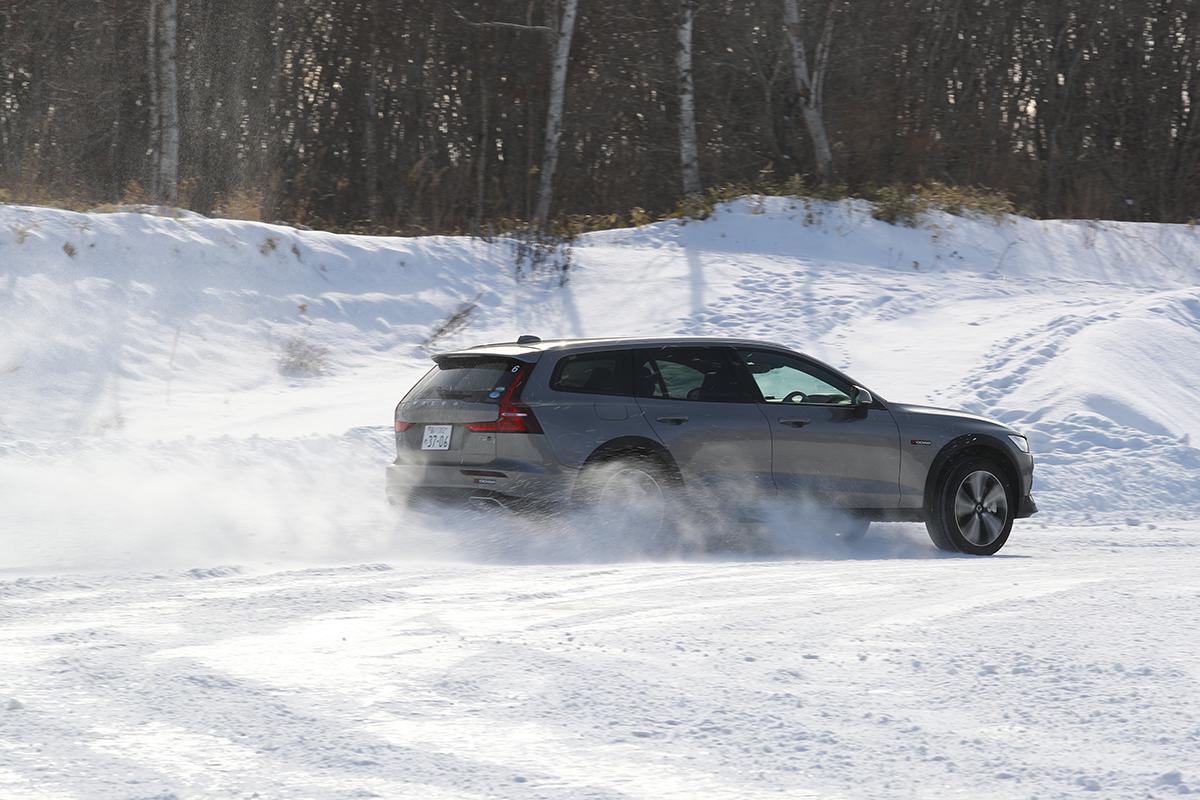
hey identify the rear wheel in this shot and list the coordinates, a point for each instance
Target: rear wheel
(630, 496)
(972, 507)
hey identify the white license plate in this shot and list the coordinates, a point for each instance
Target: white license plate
(436, 437)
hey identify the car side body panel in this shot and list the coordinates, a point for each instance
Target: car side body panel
(835, 454)
(721, 449)
(577, 423)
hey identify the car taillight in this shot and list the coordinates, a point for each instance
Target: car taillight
(513, 417)
(401, 427)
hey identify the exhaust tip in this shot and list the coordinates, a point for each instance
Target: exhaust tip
(491, 503)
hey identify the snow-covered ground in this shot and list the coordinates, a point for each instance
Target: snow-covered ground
(202, 593)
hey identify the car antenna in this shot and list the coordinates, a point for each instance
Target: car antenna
(528, 339)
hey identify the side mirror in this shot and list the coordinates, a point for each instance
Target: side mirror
(862, 401)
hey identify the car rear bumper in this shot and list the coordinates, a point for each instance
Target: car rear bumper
(511, 488)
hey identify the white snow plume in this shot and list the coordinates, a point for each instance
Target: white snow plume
(114, 504)
(757, 527)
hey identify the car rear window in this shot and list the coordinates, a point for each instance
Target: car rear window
(609, 372)
(469, 380)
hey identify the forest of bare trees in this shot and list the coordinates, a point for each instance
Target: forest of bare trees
(445, 115)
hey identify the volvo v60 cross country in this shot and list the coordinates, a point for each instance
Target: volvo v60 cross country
(704, 422)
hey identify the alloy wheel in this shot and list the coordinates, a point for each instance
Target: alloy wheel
(981, 508)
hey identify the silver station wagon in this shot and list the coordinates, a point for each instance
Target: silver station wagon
(685, 424)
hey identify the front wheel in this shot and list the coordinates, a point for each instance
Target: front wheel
(972, 508)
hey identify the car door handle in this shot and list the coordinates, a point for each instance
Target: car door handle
(794, 422)
(673, 420)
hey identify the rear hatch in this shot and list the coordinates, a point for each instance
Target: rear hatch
(452, 416)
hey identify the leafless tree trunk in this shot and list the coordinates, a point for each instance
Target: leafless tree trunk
(558, 85)
(688, 155)
(167, 82)
(810, 86)
(481, 158)
(155, 143)
(371, 122)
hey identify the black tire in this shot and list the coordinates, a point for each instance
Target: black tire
(972, 507)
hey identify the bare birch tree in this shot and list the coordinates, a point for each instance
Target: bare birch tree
(689, 157)
(155, 143)
(560, 33)
(164, 101)
(371, 112)
(554, 111)
(810, 85)
(169, 83)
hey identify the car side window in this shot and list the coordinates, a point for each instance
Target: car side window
(701, 374)
(785, 379)
(609, 372)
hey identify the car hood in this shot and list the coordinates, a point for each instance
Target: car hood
(932, 411)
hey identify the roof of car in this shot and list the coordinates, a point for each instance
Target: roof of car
(516, 350)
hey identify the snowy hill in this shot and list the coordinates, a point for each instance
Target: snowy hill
(119, 328)
(203, 594)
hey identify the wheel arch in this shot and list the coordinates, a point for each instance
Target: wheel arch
(964, 446)
(630, 445)
(624, 446)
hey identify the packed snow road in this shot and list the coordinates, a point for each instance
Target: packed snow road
(1066, 666)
